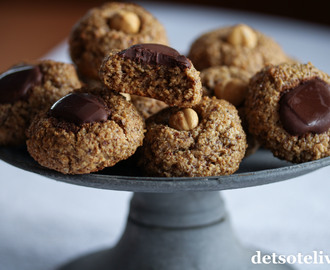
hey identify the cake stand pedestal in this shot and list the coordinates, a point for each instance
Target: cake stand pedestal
(174, 231)
(174, 223)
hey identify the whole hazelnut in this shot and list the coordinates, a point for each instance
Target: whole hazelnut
(232, 90)
(185, 119)
(125, 21)
(242, 35)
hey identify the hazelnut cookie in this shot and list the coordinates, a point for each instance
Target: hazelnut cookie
(239, 46)
(85, 131)
(113, 25)
(155, 71)
(26, 89)
(288, 109)
(205, 140)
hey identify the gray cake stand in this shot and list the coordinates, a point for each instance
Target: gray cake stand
(174, 223)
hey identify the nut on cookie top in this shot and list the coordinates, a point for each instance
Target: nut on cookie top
(238, 45)
(113, 25)
(204, 140)
(153, 70)
(288, 109)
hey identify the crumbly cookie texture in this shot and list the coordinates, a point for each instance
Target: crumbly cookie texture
(37, 86)
(72, 148)
(113, 25)
(155, 71)
(231, 84)
(239, 46)
(147, 106)
(175, 146)
(263, 105)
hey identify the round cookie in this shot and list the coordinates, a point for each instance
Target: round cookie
(113, 25)
(288, 109)
(84, 133)
(27, 89)
(153, 70)
(239, 46)
(231, 84)
(203, 141)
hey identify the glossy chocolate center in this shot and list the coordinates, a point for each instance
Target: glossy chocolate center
(156, 54)
(80, 108)
(306, 108)
(16, 82)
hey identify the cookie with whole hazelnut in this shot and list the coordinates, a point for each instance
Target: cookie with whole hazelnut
(288, 110)
(155, 71)
(239, 46)
(204, 140)
(113, 25)
(85, 131)
(28, 88)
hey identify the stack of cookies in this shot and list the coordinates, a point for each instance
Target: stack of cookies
(194, 116)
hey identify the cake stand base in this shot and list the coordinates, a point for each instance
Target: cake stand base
(175, 231)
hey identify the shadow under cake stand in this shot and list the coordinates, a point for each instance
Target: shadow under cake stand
(174, 223)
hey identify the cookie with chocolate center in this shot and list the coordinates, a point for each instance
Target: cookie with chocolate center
(288, 109)
(27, 89)
(85, 131)
(155, 71)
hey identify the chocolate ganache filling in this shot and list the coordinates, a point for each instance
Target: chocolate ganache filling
(156, 54)
(306, 108)
(17, 81)
(80, 108)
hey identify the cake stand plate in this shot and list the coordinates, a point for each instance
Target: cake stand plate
(174, 223)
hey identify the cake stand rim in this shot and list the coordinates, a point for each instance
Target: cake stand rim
(168, 184)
